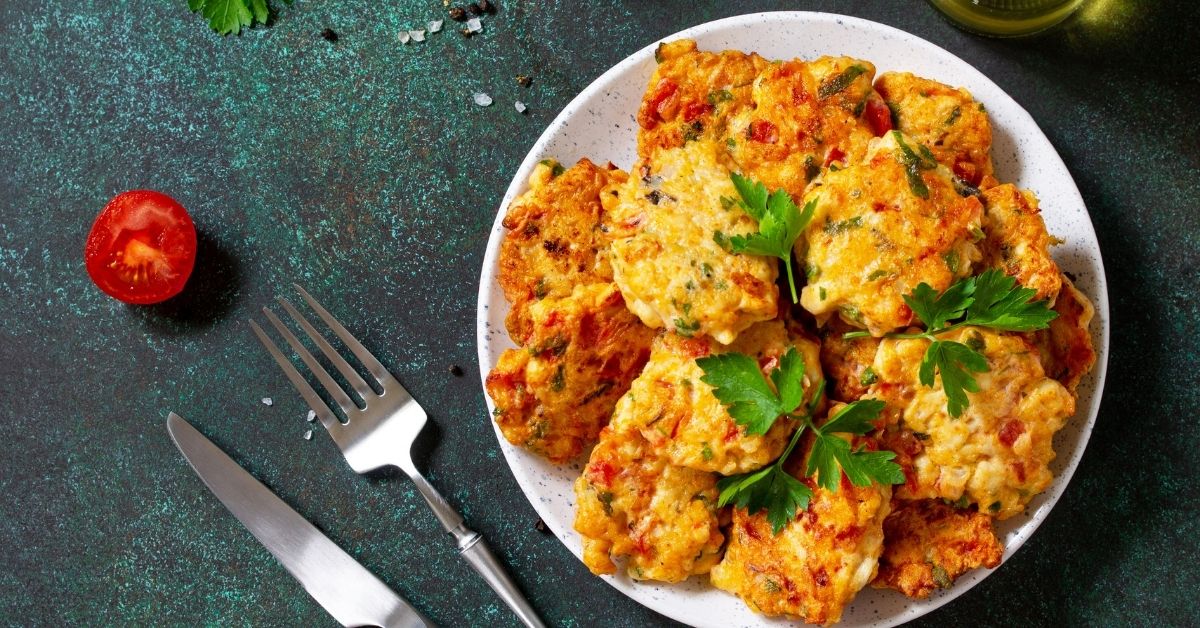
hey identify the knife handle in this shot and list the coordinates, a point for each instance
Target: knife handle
(476, 552)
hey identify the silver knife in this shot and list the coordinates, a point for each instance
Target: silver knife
(336, 581)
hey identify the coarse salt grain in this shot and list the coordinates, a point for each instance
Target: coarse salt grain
(435, 26)
(267, 401)
(403, 37)
(417, 35)
(308, 435)
(520, 107)
(482, 99)
(474, 25)
(312, 416)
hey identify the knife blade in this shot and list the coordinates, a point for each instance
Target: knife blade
(344, 588)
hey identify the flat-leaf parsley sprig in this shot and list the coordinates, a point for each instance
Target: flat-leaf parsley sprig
(992, 300)
(230, 16)
(752, 402)
(780, 222)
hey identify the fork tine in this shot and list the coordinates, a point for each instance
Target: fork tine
(343, 367)
(310, 396)
(326, 380)
(364, 356)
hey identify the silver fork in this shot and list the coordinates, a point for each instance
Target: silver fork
(381, 433)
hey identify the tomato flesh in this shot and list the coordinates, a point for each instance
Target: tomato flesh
(878, 115)
(142, 247)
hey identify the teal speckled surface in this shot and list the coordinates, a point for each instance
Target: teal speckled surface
(362, 169)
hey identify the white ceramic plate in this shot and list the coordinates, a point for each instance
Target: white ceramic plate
(600, 124)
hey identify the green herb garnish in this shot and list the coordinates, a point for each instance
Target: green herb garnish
(756, 404)
(230, 16)
(780, 222)
(992, 300)
(839, 82)
(914, 164)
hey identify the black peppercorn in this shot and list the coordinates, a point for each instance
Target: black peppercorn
(458, 14)
(329, 35)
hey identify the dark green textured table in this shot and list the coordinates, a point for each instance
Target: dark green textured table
(362, 169)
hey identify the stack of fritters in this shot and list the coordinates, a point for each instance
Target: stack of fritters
(619, 283)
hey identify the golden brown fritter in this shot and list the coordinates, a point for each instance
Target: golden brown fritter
(946, 119)
(1066, 346)
(553, 241)
(555, 394)
(691, 94)
(874, 238)
(928, 544)
(804, 115)
(672, 271)
(997, 453)
(1017, 242)
(817, 562)
(682, 419)
(633, 505)
(846, 363)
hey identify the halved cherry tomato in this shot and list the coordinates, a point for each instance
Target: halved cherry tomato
(142, 247)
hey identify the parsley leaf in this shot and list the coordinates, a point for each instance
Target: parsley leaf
(936, 310)
(738, 383)
(230, 16)
(1002, 304)
(831, 455)
(953, 360)
(780, 222)
(990, 299)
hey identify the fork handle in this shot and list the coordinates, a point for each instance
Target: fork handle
(476, 552)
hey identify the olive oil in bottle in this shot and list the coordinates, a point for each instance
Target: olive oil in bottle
(1006, 18)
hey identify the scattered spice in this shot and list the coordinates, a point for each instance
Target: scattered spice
(458, 14)
(267, 401)
(482, 99)
(540, 525)
(329, 35)
(520, 107)
(524, 81)
(456, 370)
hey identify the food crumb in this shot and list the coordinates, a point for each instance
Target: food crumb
(482, 99)
(456, 370)
(312, 416)
(520, 107)
(329, 35)
(524, 80)
(308, 435)
(267, 401)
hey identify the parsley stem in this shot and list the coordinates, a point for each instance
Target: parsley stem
(787, 261)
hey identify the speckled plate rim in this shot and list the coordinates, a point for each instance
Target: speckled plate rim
(599, 124)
